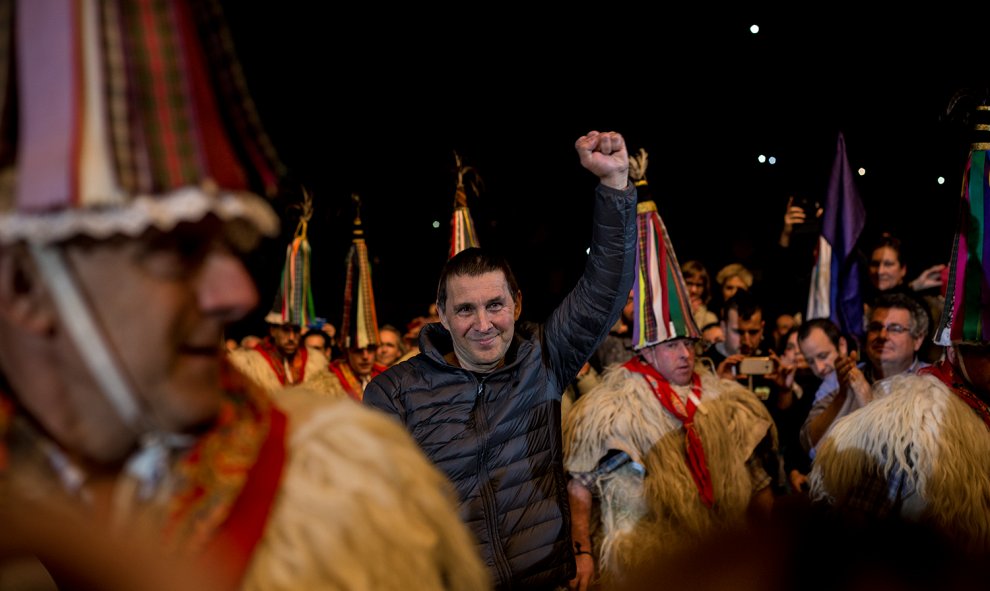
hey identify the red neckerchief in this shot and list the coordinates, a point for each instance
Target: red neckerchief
(672, 402)
(946, 373)
(229, 481)
(349, 380)
(276, 361)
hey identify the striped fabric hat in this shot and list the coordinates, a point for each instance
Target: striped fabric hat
(294, 300)
(129, 115)
(966, 316)
(359, 327)
(662, 307)
(463, 234)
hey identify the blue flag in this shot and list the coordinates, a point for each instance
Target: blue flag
(835, 292)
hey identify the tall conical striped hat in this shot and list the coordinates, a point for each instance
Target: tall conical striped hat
(662, 307)
(117, 118)
(294, 300)
(359, 327)
(463, 234)
(966, 316)
(129, 115)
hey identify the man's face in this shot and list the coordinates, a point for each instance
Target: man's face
(673, 359)
(480, 314)
(388, 351)
(286, 338)
(974, 362)
(743, 335)
(162, 301)
(820, 353)
(317, 342)
(361, 360)
(886, 270)
(888, 338)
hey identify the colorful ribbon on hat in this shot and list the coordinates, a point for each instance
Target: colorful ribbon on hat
(121, 99)
(966, 316)
(660, 297)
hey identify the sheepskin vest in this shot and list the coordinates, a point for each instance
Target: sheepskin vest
(921, 432)
(645, 517)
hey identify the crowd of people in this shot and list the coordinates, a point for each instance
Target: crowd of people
(650, 430)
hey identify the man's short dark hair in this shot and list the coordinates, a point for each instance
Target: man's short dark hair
(319, 333)
(823, 324)
(473, 262)
(743, 303)
(902, 301)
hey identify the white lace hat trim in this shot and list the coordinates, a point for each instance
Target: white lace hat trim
(189, 204)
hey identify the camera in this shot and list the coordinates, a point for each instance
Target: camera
(755, 366)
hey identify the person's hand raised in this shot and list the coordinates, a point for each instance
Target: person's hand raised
(605, 155)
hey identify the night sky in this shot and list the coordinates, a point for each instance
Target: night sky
(376, 102)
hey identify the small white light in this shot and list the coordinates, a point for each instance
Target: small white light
(772, 160)
(436, 224)
(587, 250)
(941, 180)
(754, 29)
(761, 158)
(861, 171)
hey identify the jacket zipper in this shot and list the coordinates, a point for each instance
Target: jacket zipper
(487, 493)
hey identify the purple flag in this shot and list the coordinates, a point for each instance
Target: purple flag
(835, 289)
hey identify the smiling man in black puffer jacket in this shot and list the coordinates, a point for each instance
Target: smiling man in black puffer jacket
(483, 396)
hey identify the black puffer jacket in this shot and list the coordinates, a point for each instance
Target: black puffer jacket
(497, 435)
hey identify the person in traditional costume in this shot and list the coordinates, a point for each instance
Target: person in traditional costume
(282, 359)
(358, 338)
(662, 452)
(135, 147)
(921, 450)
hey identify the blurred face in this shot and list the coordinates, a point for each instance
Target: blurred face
(785, 322)
(696, 290)
(974, 363)
(162, 301)
(361, 360)
(886, 270)
(317, 343)
(731, 286)
(286, 338)
(388, 351)
(673, 359)
(889, 342)
(480, 314)
(743, 335)
(627, 310)
(713, 334)
(819, 352)
(792, 352)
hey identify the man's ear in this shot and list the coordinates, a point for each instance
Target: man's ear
(843, 347)
(518, 300)
(24, 300)
(442, 314)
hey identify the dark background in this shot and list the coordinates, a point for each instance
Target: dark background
(374, 101)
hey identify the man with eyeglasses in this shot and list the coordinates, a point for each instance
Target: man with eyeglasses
(897, 327)
(921, 451)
